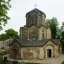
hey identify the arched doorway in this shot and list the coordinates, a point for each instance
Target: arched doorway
(49, 53)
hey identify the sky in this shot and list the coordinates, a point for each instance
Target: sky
(52, 8)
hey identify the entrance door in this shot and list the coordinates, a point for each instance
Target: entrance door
(49, 53)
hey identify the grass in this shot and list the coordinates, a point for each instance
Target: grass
(63, 62)
(1, 59)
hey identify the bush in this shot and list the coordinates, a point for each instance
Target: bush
(1, 59)
(63, 62)
(62, 52)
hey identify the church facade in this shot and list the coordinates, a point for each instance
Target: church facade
(35, 39)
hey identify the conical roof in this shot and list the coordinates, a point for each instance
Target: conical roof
(36, 10)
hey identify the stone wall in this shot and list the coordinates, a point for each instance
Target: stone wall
(4, 46)
(53, 47)
(15, 52)
(35, 33)
(42, 33)
(48, 50)
(32, 53)
(34, 18)
(48, 33)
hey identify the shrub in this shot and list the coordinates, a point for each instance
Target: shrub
(63, 62)
(1, 59)
(62, 52)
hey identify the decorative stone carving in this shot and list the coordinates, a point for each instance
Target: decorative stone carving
(28, 54)
(33, 35)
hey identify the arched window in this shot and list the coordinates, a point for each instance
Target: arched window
(34, 34)
(34, 19)
(42, 34)
(40, 20)
(29, 20)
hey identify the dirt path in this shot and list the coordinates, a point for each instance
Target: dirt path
(58, 60)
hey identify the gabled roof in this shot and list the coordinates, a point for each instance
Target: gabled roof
(27, 43)
(56, 41)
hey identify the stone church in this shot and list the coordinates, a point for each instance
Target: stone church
(35, 39)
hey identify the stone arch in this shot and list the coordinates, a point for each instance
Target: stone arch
(33, 34)
(29, 20)
(40, 20)
(15, 51)
(49, 51)
(34, 19)
(43, 34)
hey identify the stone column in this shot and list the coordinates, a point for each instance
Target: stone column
(46, 53)
(28, 33)
(52, 53)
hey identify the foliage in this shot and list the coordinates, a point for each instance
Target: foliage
(59, 33)
(56, 32)
(62, 37)
(62, 51)
(1, 59)
(4, 7)
(53, 24)
(63, 62)
(4, 37)
(10, 33)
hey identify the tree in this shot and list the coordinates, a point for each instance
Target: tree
(4, 7)
(62, 37)
(10, 33)
(3, 37)
(53, 24)
(62, 41)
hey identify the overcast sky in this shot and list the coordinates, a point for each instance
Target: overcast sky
(52, 8)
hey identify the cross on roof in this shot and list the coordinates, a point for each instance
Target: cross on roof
(35, 5)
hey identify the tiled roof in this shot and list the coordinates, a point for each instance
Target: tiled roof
(37, 11)
(28, 43)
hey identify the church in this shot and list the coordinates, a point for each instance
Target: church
(35, 40)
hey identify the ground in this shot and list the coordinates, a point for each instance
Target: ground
(58, 60)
